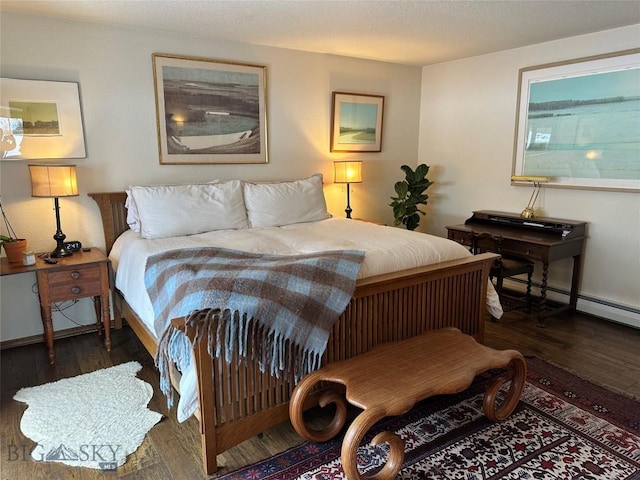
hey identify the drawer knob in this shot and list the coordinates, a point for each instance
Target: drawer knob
(75, 290)
(75, 275)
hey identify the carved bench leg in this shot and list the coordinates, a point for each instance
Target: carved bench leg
(296, 410)
(353, 438)
(518, 378)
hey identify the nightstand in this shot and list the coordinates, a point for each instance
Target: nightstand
(83, 274)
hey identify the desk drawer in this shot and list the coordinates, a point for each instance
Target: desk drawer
(71, 291)
(75, 275)
(525, 250)
(463, 238)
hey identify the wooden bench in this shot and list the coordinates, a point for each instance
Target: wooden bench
(391, 378)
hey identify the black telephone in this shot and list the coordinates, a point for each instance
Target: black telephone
(74, 246)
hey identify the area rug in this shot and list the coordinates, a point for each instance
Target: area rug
(563, 428)
(93, 420)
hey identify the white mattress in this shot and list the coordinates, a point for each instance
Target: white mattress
(388, 249)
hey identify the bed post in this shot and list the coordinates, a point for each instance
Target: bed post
(206, 396)
(113, 214)
(114, 221)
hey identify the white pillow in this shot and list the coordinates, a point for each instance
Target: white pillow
(175, 210)
(133, 219)
(284, 203)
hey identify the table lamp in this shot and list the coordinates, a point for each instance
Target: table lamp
(54, 181)
(528, 211)
(348, 172)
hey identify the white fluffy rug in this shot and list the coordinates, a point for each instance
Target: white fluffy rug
(93, 420)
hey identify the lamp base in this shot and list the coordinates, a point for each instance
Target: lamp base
(59, 237)
(348, 211)
(60, 252)
(527, 213)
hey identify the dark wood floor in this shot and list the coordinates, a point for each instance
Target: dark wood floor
(604, 352)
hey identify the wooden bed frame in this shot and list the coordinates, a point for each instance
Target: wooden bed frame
(238, 401)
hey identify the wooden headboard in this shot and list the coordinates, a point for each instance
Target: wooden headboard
(114, 215)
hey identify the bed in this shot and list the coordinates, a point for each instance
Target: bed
(237, 400)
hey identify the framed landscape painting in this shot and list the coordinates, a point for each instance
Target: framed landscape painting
(40, 119)
(578, 122)
(209, 111)
(356, 123)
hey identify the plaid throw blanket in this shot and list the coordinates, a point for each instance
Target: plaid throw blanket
(273, 308)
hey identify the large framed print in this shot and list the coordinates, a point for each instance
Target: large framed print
(578, 122)
(40, 119)
(209, 111)
(356, 122)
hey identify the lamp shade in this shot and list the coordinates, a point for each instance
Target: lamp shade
(348, 172)
(53, 181)
(528, 211)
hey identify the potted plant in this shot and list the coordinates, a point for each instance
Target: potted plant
(13, 246)
(410, 194)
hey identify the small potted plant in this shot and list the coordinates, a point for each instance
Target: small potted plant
(410, 194)
(13, 246)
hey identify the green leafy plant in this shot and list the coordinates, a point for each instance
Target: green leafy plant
(410, 195)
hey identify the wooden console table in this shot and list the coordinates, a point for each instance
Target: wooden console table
(392, 377)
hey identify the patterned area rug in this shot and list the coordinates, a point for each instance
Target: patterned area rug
(564, 428)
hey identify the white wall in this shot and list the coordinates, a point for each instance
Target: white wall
(465, 109)
(113, 68)
(468, 110)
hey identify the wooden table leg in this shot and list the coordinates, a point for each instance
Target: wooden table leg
(518, 377)
(47, 324)
(97, 307)
(353, 438)
(575, 281)
(543, 294)
(46, 315)
(544, 312)
(296, 410)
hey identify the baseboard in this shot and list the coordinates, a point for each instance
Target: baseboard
(615, 312)
(598, 307)
(67, 332)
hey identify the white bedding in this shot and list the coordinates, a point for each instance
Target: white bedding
(388, 249)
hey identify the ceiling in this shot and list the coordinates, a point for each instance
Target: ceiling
(410, 32)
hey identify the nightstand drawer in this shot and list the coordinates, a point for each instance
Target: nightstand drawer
(70, 291)
(76, 275)
(523, 249)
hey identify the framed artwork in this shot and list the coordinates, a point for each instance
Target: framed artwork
(209, 111)
(40, 120)
(356, 122)
(578, 122)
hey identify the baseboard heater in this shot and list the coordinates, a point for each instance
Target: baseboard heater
(615, 312)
